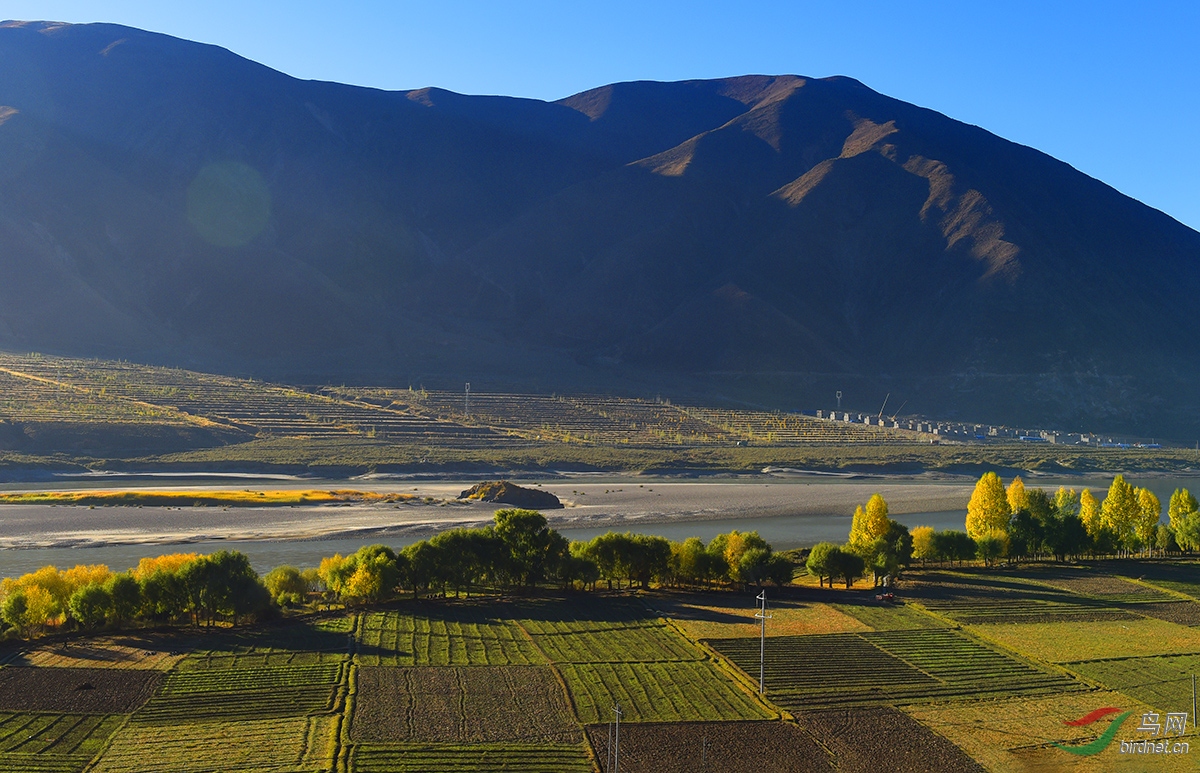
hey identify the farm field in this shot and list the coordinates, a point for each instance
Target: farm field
(479, 704)
(528, 684)
(895, 667)
(714, 617)
(453, 634)
(863, 739)
(684, 747)
(1016, 734)
(1061, 642)
(52, 743)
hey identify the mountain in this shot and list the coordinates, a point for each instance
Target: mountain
(761, 239)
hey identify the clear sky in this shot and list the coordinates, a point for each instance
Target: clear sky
(1111, 88)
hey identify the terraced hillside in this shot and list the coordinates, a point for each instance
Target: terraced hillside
(56, 403)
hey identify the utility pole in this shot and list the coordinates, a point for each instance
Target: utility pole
(763, 617)
(467, 400)
(839, 399)
(614, 740)
(704, 754)
(1193, 701)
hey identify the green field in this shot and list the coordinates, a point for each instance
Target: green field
(472, 758)
(512, 685)
(52, 743)
(448, 636)
(682, 691)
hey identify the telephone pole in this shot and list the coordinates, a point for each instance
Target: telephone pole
(467, 400)
(763, 617)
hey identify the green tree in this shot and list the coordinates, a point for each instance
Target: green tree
(527, 538)
(1066, 501)
(845, 564)
(15, 610)
(1164, 539)
(89, 605)
(819, 564)
(421, 561)
(991, 547)
(286, 586)
(988, 510)
(126, 596)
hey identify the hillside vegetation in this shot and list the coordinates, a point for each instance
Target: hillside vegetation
(65, 413)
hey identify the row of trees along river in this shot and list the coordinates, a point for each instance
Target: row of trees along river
(516, 553)
(1015, 523)
(519, 552)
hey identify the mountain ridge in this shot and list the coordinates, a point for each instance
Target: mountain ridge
(763, 239)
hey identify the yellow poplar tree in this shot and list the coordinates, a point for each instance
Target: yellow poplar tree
(1089, 512)
(869, 524)
(1120, 510)
(1149, 513)
(1181, 505)
(988, 510)
(1017, 498)
(922, 543)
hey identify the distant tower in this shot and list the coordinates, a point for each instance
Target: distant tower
(467, 400)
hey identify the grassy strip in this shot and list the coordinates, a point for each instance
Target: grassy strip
(201, 498)
(478, 758)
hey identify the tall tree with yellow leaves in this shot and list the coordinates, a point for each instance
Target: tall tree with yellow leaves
(988, 511)
(1018, 500)
(1149, 514)
(1089, 512)
(1182, 504)
(869, 524)
(1120, 510)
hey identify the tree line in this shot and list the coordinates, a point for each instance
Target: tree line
(516, 552)
(1014, 523)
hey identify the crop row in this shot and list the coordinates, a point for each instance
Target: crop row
(234, 705)
(243, 679)
(477, 704)
(394, 639)
(618, 644)
(252, 744)
(886, 667)
(657, 692)
(477, 758)
(52, 743)
(982, 611)
(1164, 682)
(218, 661)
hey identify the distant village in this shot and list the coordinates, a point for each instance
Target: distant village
(967, 433)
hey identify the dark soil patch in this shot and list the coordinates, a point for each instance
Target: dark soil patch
(1182, 612)
(690, 747)
(476, 704)
(76, 690)
(868, 740)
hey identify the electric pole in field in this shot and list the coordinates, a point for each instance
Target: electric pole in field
(614, 740)
(763, 617)
(467, 400)
(839, 399)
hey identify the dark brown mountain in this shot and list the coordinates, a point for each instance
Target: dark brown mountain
(766, 239)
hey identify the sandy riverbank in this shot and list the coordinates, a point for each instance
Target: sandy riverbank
(617, 504)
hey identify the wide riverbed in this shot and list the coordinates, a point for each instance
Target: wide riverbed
(788, 512)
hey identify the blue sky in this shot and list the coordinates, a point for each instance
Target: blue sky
(1111, 88)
